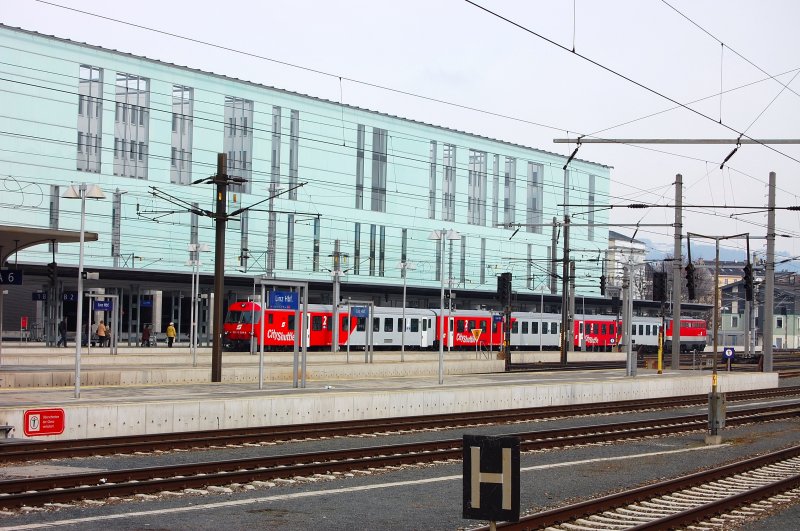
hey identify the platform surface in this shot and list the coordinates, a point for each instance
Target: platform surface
(112, 402)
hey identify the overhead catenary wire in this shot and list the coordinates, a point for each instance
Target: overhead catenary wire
(625, 77)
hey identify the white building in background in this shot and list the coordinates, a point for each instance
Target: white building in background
(624, 251)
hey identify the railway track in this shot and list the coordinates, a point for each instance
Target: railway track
(704, 500)
(39, 450)
(100, 485)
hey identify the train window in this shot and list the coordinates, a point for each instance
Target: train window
(594, 328)
(376, 324)
(611, 329)
(647, 330)
(345, 323)
(553, 328)
(388, 325)
(515, 327)
(535, 327)
(400, 326)
(415, 325)
(361, 324)
(460, 326)
(316, 323)
(270, 318)
(524, 327)
(580, 328)
(641, 330)
(603, 329)
(424, 325)
(450, 321)
(483, 327)
(472, 325)
(633, 330)
(290, 322)
(544, 327)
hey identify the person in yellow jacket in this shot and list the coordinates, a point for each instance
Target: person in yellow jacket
(101, 334)
(171, 334)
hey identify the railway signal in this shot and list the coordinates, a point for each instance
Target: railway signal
(504, 289)
(748, 281)
(690, 280)
(602, 285)
(52, 272)
(659, 287)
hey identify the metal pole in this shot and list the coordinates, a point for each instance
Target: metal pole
(716, 315)
(197, 300)
(769, 295)
(261, 342)
(403, 329)
(192, 317)
(631, 353)
(626, 318)
(296, 347)
(79, 329)
(541, 310)
(2, 303)
(565, 293)
(675, 361)
(335, 309)
(449, 320)
(304, 340)
(221, 180)
(571, 315)
(441, 314)
(551, 267)
(349, 330)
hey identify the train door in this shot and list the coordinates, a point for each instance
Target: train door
(578, 335)
(424, 332)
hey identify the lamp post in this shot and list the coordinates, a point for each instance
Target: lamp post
(81, 191)
(194, 260)
(404, 266)
(441, 236)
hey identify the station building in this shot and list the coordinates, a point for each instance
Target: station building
(320, 173)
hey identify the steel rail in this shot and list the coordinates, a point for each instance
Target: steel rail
(607, 503)
(35, 491)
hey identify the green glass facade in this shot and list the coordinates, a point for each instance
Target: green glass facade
(379, 184)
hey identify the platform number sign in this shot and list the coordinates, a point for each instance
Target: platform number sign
(491, 478)
(11, 276)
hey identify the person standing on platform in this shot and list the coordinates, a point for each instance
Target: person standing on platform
(171, 334)
(146, 336)
(101, 334)
(62, 332)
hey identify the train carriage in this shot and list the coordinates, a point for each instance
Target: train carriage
(530, 331)
(465, 329)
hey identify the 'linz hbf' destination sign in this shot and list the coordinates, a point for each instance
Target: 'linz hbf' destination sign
(283, 300)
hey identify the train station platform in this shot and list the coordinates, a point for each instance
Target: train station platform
(161, 390)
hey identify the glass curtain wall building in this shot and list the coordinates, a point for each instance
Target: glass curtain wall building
(378, 184)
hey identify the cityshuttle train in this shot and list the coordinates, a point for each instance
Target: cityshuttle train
(465, 329)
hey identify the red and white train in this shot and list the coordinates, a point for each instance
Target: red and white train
(466, 329)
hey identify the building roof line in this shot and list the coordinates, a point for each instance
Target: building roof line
(288, 92)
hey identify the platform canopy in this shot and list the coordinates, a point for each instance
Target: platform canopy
(13, 239)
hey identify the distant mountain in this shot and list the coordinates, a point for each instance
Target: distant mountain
(658, 251)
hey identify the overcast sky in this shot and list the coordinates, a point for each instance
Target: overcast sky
(452, 51)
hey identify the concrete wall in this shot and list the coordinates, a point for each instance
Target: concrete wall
(126, 417)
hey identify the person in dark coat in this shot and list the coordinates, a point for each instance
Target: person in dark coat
(62, 332)
(145, 336)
